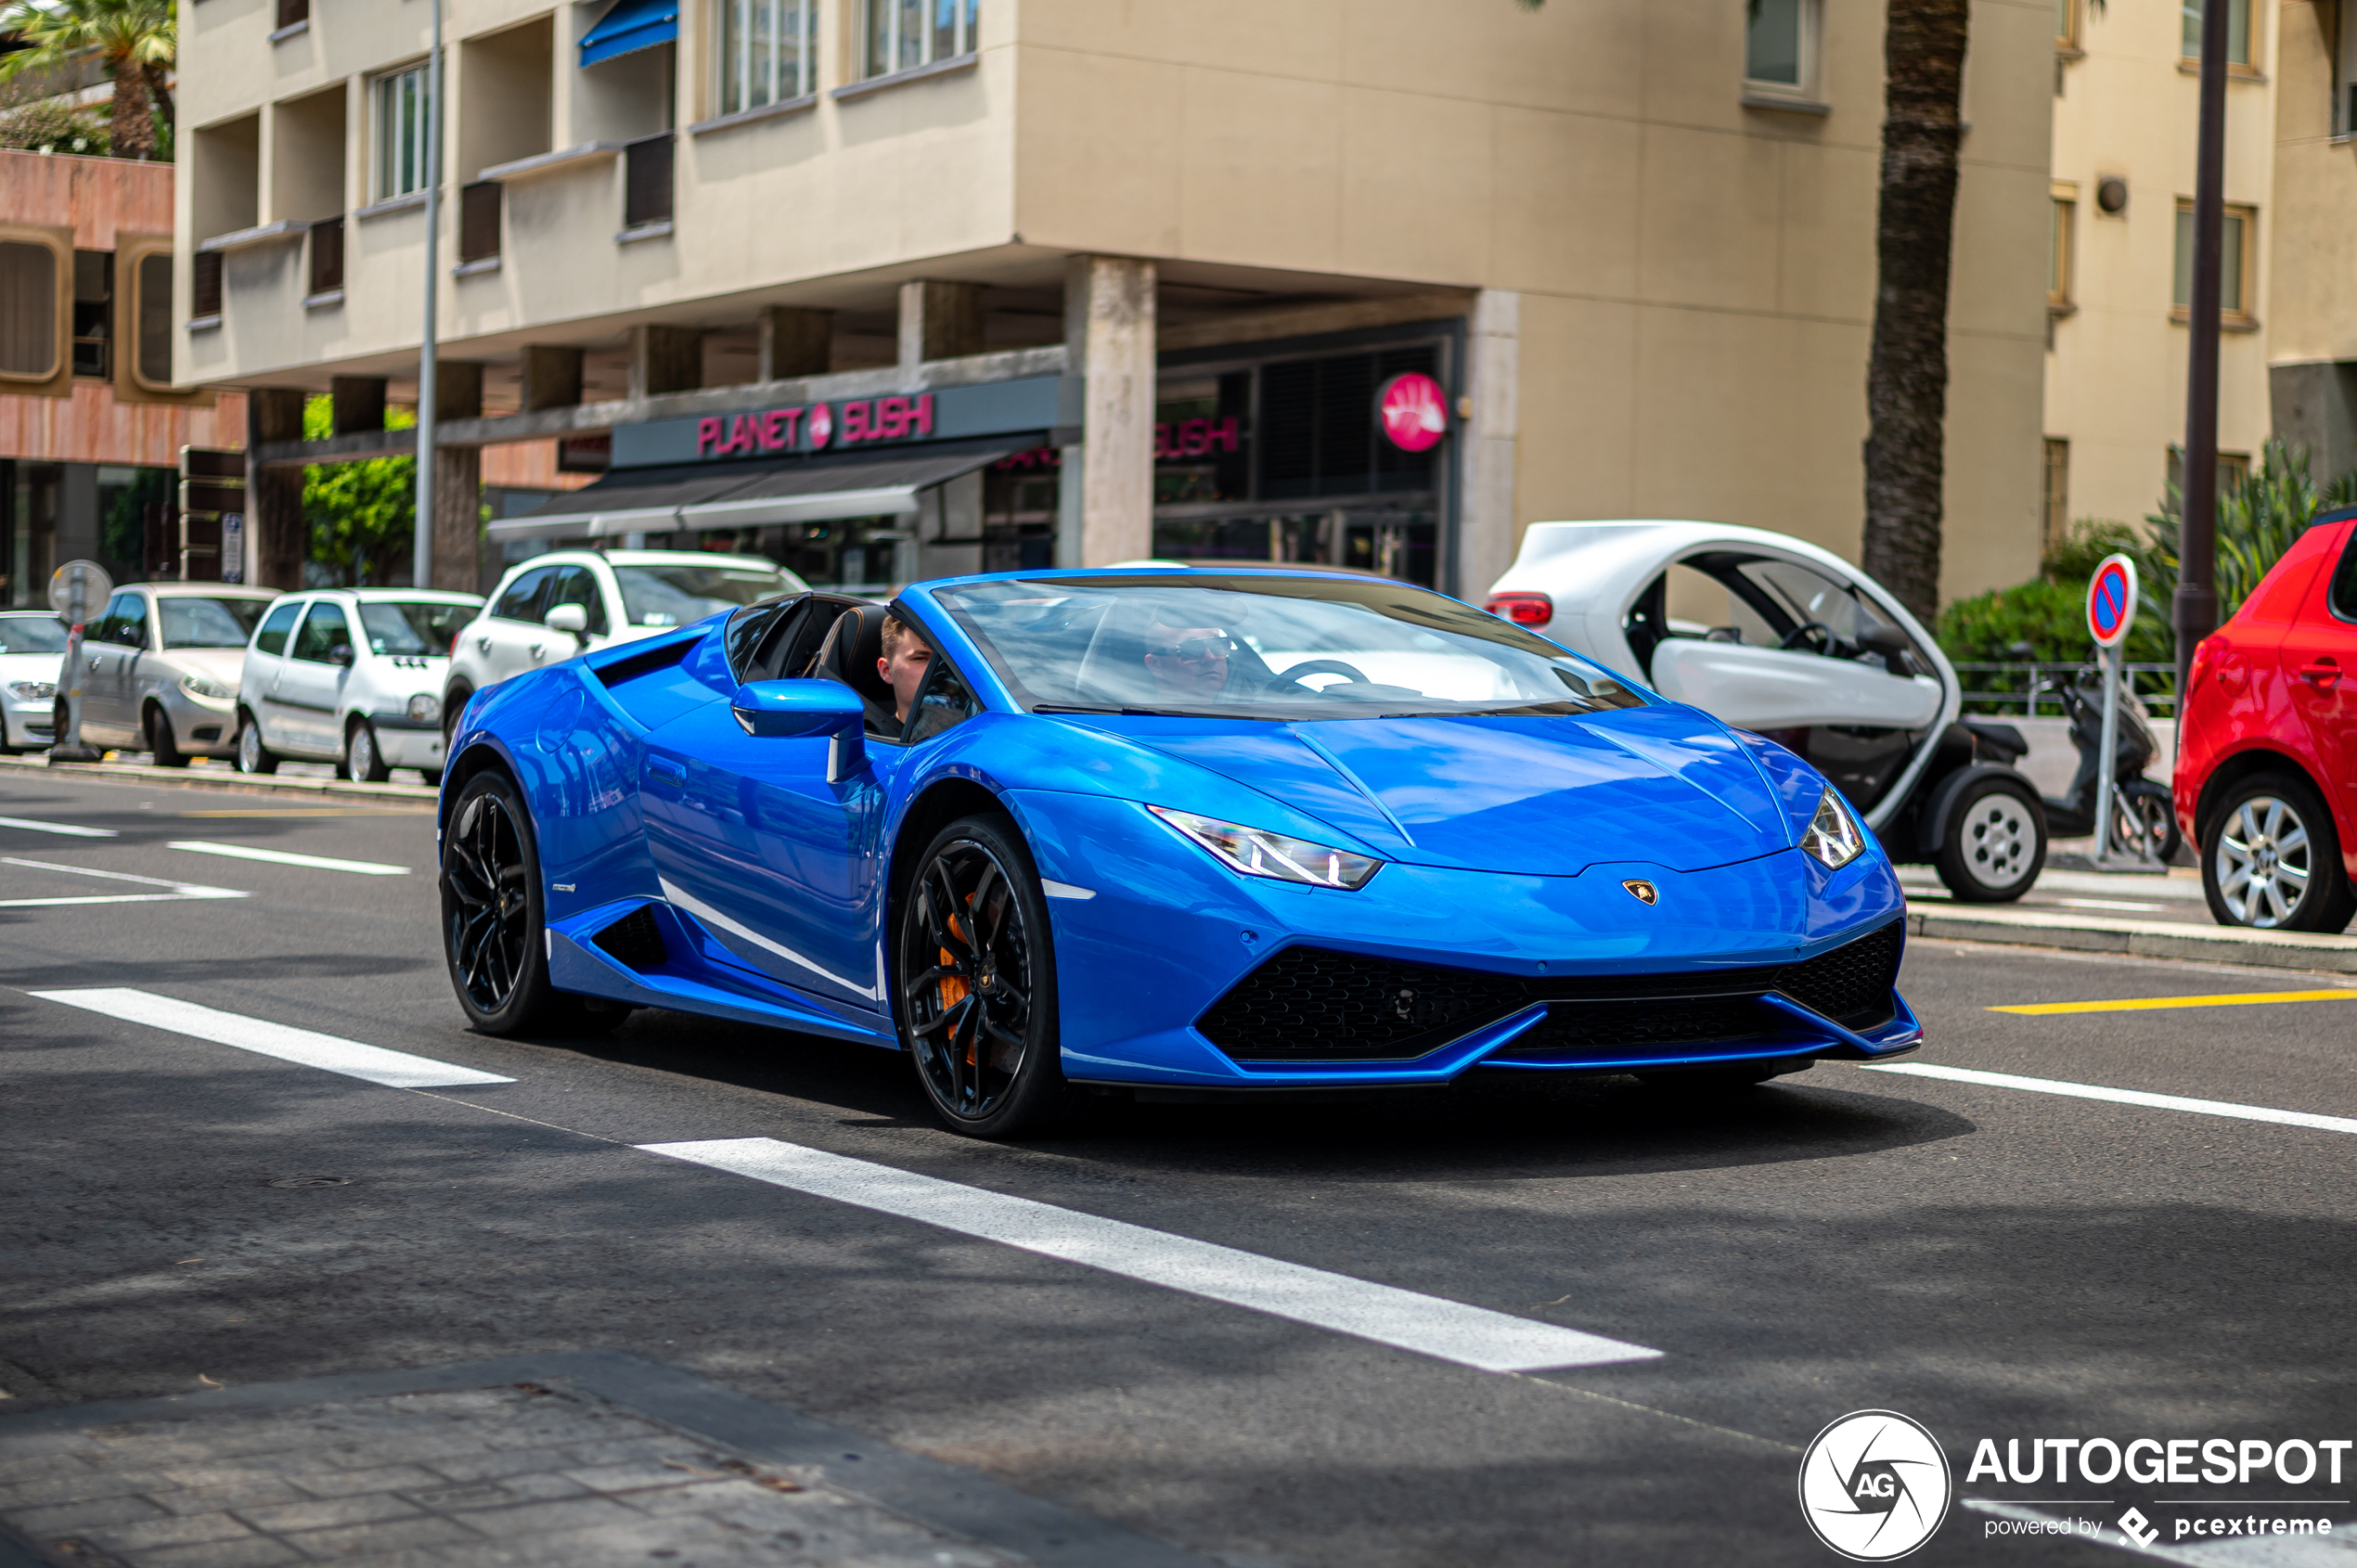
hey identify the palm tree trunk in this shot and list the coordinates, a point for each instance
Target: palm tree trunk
(132, 126)
(159, 89)
(1907, 378)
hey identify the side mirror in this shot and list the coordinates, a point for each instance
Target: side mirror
(1894, 647)
(573, 618)
(790, 708)
(341, 654)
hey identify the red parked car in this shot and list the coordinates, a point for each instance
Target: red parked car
(2266, 777)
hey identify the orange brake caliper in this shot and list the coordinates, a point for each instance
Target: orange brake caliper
(954, 990)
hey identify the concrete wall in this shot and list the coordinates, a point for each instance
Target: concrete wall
(2116, 379)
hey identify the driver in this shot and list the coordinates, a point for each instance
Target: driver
(1188, 663)
(906, 657)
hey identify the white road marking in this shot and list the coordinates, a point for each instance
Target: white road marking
(179, 890)
(396, 1070)
(2121, 1096)
(2114, 904)
(1472, 1336)
(282, 857)
(68, 829)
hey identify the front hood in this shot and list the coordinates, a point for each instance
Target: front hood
(223, 664)
(1544, 796)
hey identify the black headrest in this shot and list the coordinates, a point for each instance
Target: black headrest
(854, 645)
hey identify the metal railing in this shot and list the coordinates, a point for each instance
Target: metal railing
(1998, 690)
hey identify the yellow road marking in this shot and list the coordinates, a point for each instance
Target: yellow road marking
(2146, 1004)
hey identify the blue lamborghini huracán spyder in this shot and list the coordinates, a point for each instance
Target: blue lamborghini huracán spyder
(1058, 833)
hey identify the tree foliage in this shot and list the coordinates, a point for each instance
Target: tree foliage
(138, 39)
(362, 516)
(2258, 518)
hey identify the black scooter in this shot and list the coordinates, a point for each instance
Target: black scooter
(2144, 819)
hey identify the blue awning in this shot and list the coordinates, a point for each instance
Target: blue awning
(632, 25)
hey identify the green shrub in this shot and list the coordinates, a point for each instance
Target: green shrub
(55, 125)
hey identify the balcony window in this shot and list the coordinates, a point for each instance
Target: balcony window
(204, 286)
(401, 134)
(479, 222)
(2237, 31)
(2238, 237)
(765, 51)
(1780, 48)
(92, 313)
(154, 362)
(904, 34)
(292, 12)
(28, 310)
(645, 182)
(326, 256)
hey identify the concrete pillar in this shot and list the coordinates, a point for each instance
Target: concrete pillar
(457, 518)
(665, 359)
(551, 377)
(939, 320)
(1109, 341)
(274, 524)
(457, 389)
(794, 342)
(357, 404)
(1486, 534)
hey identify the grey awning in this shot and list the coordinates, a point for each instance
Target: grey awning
(658, 501)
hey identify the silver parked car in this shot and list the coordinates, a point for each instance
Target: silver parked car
(160, 668)
(31, 644)
(352, 677)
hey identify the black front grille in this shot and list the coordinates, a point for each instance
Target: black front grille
(1311, 1004)
(635, 941)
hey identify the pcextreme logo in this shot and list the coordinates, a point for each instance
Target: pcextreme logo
(1874, 1485)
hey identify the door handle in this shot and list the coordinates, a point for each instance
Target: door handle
(664, 770)
(93, 663)
(2323, 671)
(536, 648)
(482, 645)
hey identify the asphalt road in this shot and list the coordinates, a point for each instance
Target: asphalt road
(1990, 1260)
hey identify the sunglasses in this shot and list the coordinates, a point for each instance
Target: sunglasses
(1197, 647)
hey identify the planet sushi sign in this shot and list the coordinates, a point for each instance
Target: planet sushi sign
(1414, 412)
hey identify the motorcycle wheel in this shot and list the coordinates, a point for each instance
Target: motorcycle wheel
(2145, 819)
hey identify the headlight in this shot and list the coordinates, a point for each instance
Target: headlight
(203, 686)
(32, 691)
(1256, 853)
(1834, 836)
(425, 707)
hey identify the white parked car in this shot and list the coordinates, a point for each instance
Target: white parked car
(160, 668)
(352, 677)
(32, 643)
(1773, 634)
(566, 602)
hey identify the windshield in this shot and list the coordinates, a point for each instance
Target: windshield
(414, 627)
(31, 634)
(1267, 648)
(672, 595)
(210, 622)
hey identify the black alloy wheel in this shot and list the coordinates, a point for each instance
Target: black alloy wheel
(494, 917)
(253, 756)
(976, 993)
(162, 745)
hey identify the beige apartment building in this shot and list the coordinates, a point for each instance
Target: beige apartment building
(887, 289)
(2312, 333)
(2126, 114)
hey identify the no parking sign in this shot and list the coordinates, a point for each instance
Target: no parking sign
(2111, 601)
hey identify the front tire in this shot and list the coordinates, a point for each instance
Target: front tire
(362, 763)
(161, 743)
(1995, 842)
(2270, 859)
(253, 756)
(976, 993)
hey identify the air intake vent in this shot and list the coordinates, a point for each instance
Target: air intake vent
(635, 941)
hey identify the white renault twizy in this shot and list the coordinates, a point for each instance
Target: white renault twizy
(1775, 635)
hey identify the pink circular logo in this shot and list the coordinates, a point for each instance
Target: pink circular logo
(821, 425)
(1414, 412)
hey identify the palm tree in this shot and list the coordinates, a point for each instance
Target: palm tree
(136, 38)
(1907, 373)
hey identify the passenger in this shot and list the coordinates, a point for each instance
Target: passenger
(906, 657)
(1188, 663)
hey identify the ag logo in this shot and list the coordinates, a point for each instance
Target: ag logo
(1874, 1485)
(1643, 892)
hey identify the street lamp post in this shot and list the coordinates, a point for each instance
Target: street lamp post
(2193, 610)
(421, 542)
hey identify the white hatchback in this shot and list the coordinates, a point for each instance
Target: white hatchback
(554, 606)
(352, 677)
